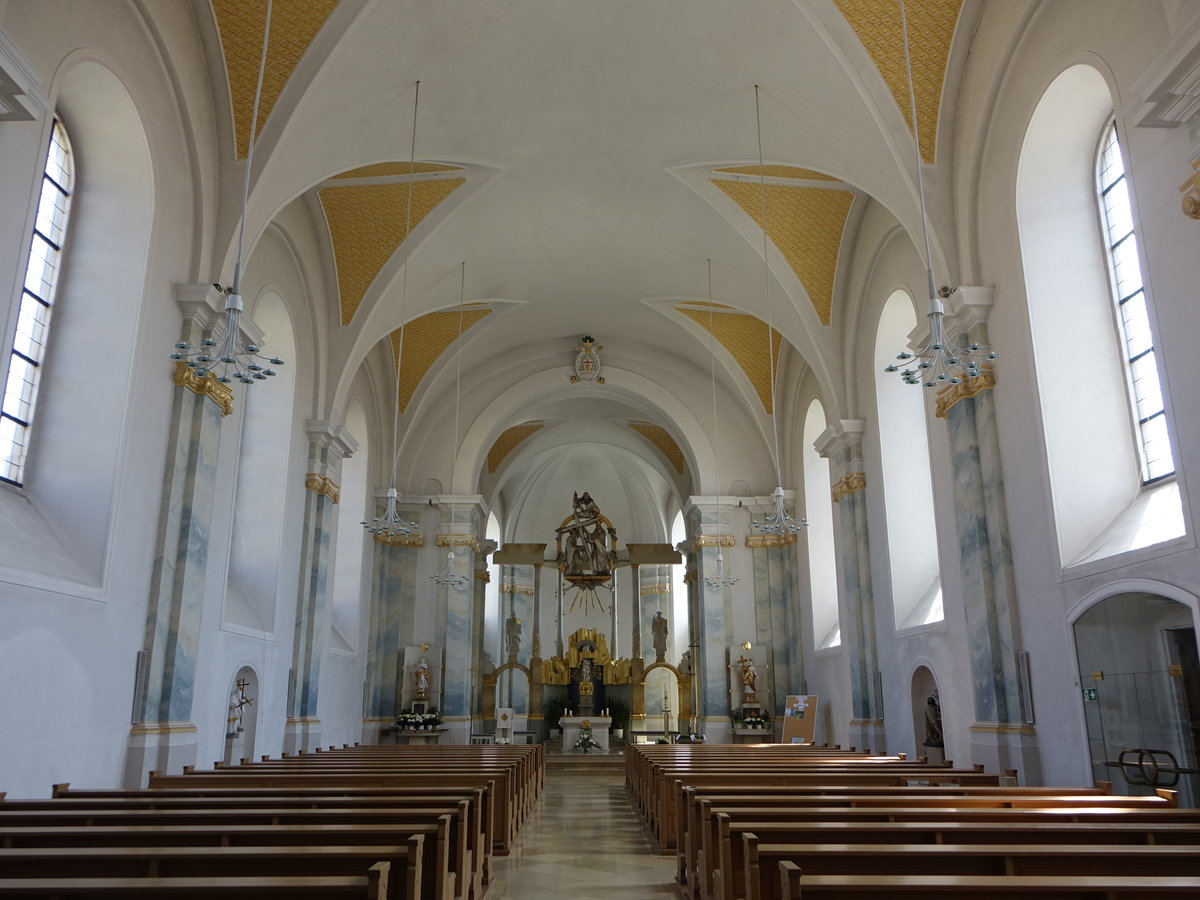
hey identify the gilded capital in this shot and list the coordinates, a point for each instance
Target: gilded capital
(320, 484)
(855, 481)
(208, 386)
(400, 540)
(1191, 192)
(715, 540)
(968, 387)
(769, 541)
(458, 540)
(650, 589)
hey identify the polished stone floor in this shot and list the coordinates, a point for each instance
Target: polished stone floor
(583, 842)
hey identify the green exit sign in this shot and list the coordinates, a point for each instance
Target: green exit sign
(1089, 694)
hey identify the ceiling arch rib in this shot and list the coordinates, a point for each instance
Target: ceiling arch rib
(240, 26)
(931, 26)
(507, 442)
(805, 220)
(368, 215)
(661, 438)
(423, 340)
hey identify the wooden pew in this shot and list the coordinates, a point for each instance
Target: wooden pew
(729, 868)
(764, 878)
(404, 882)
(989, 887)
(438, 880)
(372, 886)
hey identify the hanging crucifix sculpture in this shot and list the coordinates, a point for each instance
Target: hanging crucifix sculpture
(586, 551)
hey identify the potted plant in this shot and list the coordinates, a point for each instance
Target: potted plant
(618, 710)
(554, 708)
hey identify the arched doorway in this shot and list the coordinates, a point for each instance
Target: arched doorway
(241, 716)
(1139, 670)
(927, 716)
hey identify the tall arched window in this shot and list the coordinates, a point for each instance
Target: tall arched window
(1133, 319)
(37, 302)
(907, 486)
(818, 509)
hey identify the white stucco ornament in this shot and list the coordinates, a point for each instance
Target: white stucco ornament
(587, 361)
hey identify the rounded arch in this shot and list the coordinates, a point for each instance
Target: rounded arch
(925, 699)
(241, 720)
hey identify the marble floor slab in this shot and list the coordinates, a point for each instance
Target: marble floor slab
(583, 842)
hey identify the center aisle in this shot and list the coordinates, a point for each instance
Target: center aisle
(583, 842)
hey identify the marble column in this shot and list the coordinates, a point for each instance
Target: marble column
(460, 525)
(776, 617)
(1001, 736)
(715, 624)
(637, 624)
(482, 578)
(328, 445)
(163, 736)
(841, 443)
(393, 601)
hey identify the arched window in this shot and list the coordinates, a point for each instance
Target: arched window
(1133, 319)
(907, 486)
(818, 509)
(1110, 491)
(37, 302)
(351, 537)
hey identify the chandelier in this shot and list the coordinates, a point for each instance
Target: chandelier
(940, 361)
(391, 524)
(229, 357)
(777, 521)
(447, 575)
(718, 579)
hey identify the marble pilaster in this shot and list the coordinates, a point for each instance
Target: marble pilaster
(163, 736)
(841, 443)
(715, 620)
(1000, 736)
(328, 445)
(776, 619)
(460, 525)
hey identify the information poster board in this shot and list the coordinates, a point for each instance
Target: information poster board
(799, 719)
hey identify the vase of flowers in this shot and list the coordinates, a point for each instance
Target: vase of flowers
(586, 742)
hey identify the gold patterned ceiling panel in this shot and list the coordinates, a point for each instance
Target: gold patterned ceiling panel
(366, 225)
(425, 339)
(780, 172)
(240, 25)
(806, 224)
(931, 26)
(507, 442)
(661, 438)
(745, 337)
(397, 168)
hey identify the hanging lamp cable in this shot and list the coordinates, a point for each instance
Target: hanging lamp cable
(719, 579)
(448, 576)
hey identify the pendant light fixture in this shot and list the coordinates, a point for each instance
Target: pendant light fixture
(448, 576)
(718, 579)
(777, 521)
(940, 362)
(391, 524)
(229, 357)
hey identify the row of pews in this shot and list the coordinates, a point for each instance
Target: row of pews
(384, 823)
(780, 822)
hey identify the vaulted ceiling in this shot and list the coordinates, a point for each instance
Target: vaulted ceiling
(588, 161)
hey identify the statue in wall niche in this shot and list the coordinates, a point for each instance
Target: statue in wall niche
(659, 627)
(933, 723)
(421, 679)
(512, 634)
(749, 677)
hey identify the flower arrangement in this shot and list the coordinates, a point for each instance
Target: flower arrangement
(754, 722)
(408, 721)
(586, 742)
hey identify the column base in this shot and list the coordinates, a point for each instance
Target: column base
(867, 735)
(302, 734)
(1003, 745)
(159, 746)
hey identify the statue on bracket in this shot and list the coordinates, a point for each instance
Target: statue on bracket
(659, 627)
(586, 550)
(421, 679)
(512, 635)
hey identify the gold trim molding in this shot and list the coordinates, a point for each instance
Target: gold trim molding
(208, 386)
(323, 485)
(401, 540)
(968, 387)
(1191, 192)
(649, 589)
(1001, 728)
(716, 540)
(163, 728)
(769, 541)
(689, 577)
(483, 575)
(516, 589)
(851, 484)
(458, 540)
